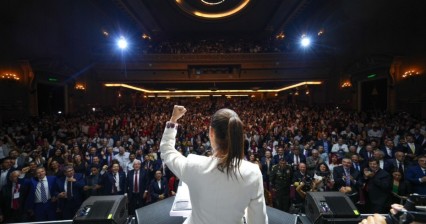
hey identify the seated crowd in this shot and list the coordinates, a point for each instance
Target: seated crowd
(50, 165)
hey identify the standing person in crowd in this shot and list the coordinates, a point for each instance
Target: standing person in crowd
(416, 175)
(173, 184)
(295, 158)
(92, 181)
(400, 188)
(322, 172)
(348, 178)
(70, 196)
(158, 187)
(340, 148)
(378, 187)
(281, 177)
(13, 200)
(6, 170)
(114, 181)
(313, 161)
(41, 200)
(267, 163)
(137, 186)
(225, 175)
(399, 163)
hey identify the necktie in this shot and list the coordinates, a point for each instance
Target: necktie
(297, 159)
(15, 201)
(114, 187)
(413, 149)
(348, 177)
(136, 188)
(43, 193)
(69, 189)
(110, 159)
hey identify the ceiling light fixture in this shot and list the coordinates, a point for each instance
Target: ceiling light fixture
(212, 3)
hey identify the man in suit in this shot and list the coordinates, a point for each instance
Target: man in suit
(12, 200)
(266, 163)
(416, 175)
(114, 182)
(108, 156)
(411, 149)
(347, 176)
(137, 186)
(70, 194)
(158, 187)
(5, 171)
(295, 158)
(384, 164)
(41, 200)
(379, 185)
(366, 153)
(279, 156)
(399, 163)
(324, 142)
(313, 161)
(389, 149)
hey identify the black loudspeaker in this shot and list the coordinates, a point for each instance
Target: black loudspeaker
(327, 207)
(103, 209)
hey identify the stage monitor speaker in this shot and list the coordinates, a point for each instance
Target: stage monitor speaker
(103, 209)
(323, 207)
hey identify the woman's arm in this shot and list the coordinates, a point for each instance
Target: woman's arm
(175, 161)
(256, 211)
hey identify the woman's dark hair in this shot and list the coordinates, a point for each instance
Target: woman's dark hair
(228, 130)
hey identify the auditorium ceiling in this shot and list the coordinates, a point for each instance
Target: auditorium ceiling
(72, 38)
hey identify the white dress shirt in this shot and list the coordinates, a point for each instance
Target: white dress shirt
(38, 191)
(219, 198)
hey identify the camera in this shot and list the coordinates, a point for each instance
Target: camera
(415, 211)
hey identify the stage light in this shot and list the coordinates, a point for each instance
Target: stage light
(305, 41)
(93, 109)
(122, 43)
(59, 112)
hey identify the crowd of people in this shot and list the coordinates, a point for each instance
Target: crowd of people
(50, 165)
(211, 46)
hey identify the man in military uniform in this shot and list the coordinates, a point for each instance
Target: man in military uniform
(281, 177)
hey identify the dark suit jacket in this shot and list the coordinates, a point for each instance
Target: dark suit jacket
(32, 186)
(322, 143)
(290, 158)
(6, 198)
(108, 182)
(364, 154)
(155, 191)
(413, 174)
(276, 158)
(385, 151)
(77, 190)
(379, 187)
(142, 184)
(264, 166)
(339, 172)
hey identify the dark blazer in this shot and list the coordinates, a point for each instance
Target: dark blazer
(322, 143)
(32, 186)
(379, 187)
(385, 151)
(339, 173)
(264, 167)
(364, 154)
(276, 158)
(290, 158)
(155, 191)
(69, 206)
(108, 182)
(413, 174)
(406, 149)
(143, 181)
(7, 196)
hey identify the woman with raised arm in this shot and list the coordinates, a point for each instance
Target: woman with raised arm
(223, 188)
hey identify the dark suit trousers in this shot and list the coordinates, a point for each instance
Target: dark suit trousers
(136, 201)
(44, 211)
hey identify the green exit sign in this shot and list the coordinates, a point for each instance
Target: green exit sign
(371, 76)
(53, 79)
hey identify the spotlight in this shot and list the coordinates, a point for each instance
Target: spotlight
(305, 41)
(59, 112)
(122, 43)
(93, 109)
